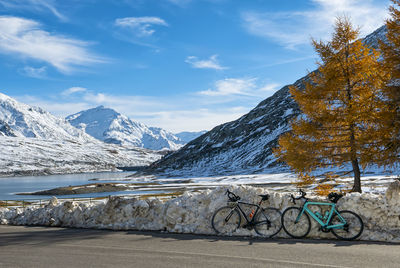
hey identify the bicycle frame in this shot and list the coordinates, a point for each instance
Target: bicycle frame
(306, 209)
(252, 220)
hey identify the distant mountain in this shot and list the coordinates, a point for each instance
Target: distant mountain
(33, 142)
(107, 125)
(187, 136)
(244, 145)
(21, 120)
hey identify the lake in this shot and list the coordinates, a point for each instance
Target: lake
(9, 186)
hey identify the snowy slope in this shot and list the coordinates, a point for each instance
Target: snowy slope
(33, 156)
(244, 145)
(21, 120)
(241, 146)
(112, 127)
(33, 141)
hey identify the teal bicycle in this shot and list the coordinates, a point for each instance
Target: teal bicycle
(344, 224)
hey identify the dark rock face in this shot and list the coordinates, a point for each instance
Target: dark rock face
(244, 145)
(5, 130)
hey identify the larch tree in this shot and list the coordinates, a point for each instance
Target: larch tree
(391, 63)
(342, 108)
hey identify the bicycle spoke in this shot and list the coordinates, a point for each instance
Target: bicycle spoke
(352, 228)
(268, 222)
(225, 220)
(295, 226)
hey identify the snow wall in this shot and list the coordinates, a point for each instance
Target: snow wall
(192, 212)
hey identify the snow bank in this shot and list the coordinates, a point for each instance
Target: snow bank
(191, 213)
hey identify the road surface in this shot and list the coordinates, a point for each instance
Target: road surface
(58, 247)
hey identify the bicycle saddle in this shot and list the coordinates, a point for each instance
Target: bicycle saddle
(334, 197)
(264, 196)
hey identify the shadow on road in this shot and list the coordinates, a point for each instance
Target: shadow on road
(45, 235)
(22, 235)
(254, 240)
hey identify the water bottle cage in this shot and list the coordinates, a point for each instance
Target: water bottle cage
(318, 215)
(251, 214)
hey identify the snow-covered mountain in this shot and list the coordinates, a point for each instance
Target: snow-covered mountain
(112, 127)
(33, 141)
(21, 120)
(244, 145)
(188, 136)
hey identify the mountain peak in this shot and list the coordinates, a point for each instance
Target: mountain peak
(22, 120)
(110, 126)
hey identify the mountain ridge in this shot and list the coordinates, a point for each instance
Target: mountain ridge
(35, 142)
(244, 145)
(110, 126)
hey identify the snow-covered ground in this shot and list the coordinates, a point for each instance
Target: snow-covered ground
(33, 156)
(192, 212)
(280, 182)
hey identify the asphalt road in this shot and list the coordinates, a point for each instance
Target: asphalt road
(59, 247)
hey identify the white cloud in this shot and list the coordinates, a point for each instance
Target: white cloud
(24, 37)
(269, 87)
(211, 63)
(239, 86)
(141, 26)
(73, 90)
(33, 5)
(194, 119)
(39, 73)
(296, 28)
(173, 113)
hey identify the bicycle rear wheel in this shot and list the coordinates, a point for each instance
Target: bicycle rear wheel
(352, 229)
(296, 229)
(268, 222)
(226, 220)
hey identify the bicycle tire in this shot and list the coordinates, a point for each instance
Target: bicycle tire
(226, 220)
(291, 227)
(355, 225)
(268, 222)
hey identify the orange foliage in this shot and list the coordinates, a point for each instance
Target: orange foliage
(343, 109)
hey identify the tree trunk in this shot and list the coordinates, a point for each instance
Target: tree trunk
(357, 176)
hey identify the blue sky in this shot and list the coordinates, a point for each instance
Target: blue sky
(183, 65)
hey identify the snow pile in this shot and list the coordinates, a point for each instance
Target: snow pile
(191, 213)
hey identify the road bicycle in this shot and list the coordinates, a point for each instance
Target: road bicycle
(265, 221)
(344, 224)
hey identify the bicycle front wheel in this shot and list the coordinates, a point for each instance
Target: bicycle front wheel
(268, 222)
(226, 220)
(353, 227)
(295, 226)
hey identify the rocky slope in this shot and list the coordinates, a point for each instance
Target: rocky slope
(244, 145)
(107, 125)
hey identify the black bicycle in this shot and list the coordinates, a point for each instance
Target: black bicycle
(265, 221)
